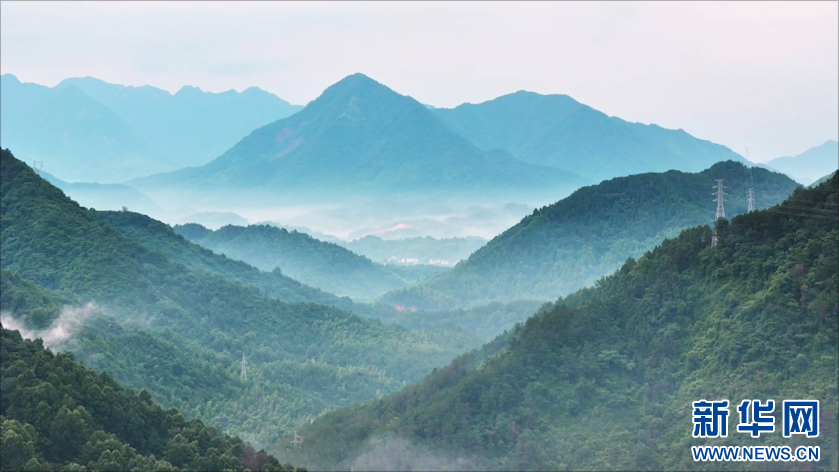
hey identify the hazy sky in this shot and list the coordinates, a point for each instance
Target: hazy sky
(762, 75)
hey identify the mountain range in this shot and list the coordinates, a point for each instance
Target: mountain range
(604, 379)
(558, 131)
(87, 130)
(358, 138)
(320, 264)
(123, 306)
(810, 165)
(565, 246)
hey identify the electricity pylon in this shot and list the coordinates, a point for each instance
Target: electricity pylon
(37, 166)
(297, 440)
(244, 367)
(720, 193)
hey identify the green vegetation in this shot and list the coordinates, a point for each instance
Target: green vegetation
(158, 236)
(603, 379)
(558, 131)
(181, 332)
(326, 266)
(570, 244)
(57, 415)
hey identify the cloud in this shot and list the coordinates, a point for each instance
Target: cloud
(68, 323)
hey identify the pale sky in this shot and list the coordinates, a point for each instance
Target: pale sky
(762, 75)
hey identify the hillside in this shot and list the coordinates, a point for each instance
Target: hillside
(575, 241)
(357, 138)
(153, 323)
(87, 130)
(158, 236)
(96, 424)
(76, 137)
(326, 266)
(604, 379)
(811, 164)
(558, 131)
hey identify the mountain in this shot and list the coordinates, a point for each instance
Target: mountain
(76, 137)
(572, 243)
(326, 266)
(158, 236)
(87, 130)
(105, 196)
(558, 131)
(811, 164)
(358, 138)
(182, 333)
(190, 127)
(604, 379)
(95, 424)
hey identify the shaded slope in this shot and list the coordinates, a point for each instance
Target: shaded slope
(558, 131)
(565, 246)
(603, 379)
(181, 333)
(359, 137)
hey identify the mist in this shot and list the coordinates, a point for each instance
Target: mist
(68, 323)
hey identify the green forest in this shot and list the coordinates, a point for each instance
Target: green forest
(604, 378)
(570, 244)
(180, 330)
(55, 414)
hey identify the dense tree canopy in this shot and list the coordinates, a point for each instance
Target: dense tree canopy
(603, 379)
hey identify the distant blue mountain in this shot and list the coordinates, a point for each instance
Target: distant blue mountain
(88, 130)
(812, 164)
(558, 131)
(360, 137)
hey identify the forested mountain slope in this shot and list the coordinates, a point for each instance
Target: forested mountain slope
(573, 242)
(159, 236)
(558, 131)
(181, 333)
(357, 138)
(326, 266)
(604, 379)
(55, 414)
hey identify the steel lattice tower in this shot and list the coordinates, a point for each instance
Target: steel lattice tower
(720, 193)
(244, 367)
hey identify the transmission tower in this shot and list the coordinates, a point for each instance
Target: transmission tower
(750, 196)
(297, 440)
(244, 367)
(37, 166)
(720, 193)
(751, 199)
